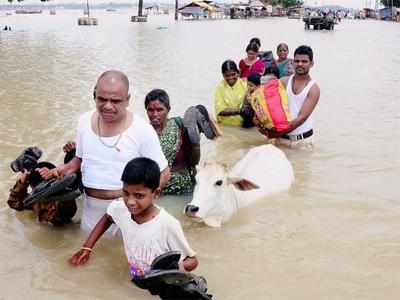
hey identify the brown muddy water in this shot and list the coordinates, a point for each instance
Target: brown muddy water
(334, 235)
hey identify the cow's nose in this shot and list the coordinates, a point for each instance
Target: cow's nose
(191, 209)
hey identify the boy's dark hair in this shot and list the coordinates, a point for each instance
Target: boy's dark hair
(304, 50)
(142, 170)
(157, 94)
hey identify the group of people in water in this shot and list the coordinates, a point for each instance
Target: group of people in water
(234, 94)
(120, 155)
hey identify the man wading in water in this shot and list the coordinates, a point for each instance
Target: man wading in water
(106, 140)
(303, 95)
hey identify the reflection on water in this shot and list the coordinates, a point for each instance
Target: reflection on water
(334, 235)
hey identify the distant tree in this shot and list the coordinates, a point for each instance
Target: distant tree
(11, 1)
(396, 3)
(287, 3)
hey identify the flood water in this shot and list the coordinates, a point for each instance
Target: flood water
(334, 235)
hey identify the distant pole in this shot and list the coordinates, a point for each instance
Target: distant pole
(140, 8)
(176, 10)
(391, 11)
(87, 7)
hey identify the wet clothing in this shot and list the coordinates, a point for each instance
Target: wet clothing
(305, 143)
(295, 104)
(104, 159)
(302, 136)
(144, 242)
(227, 96)
(93, 210)
(102, 166)
(173, 145)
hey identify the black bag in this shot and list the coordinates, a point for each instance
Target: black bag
(166, 281)
(26, 160)
(267, 57)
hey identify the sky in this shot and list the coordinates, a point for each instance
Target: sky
(345, 3)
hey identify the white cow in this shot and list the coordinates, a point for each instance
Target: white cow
(219, 194)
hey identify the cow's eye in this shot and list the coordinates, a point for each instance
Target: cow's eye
(218, 182)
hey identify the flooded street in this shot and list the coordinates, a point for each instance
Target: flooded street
(334, 235)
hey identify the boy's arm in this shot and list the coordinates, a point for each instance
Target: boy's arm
(177, 242)
(83, 255)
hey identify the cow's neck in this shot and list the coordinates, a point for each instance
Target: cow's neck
(239, 198)
(234, 200)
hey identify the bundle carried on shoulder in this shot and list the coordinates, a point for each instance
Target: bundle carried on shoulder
(271, 106)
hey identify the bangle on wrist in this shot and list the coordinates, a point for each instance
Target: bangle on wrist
(87, 248)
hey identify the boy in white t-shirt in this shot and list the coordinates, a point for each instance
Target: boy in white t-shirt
(147, 230)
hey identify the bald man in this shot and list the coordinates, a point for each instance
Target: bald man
(107, 138)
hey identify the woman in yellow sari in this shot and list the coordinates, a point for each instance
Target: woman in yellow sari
(229, 97)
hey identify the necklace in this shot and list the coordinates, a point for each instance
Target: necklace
(115, 144)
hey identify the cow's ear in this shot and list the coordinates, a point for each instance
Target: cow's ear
(244, 184)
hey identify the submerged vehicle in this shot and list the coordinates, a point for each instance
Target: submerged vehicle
(28, 11)
(319, 22)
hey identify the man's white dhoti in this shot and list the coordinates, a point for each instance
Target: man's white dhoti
(93, 209)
